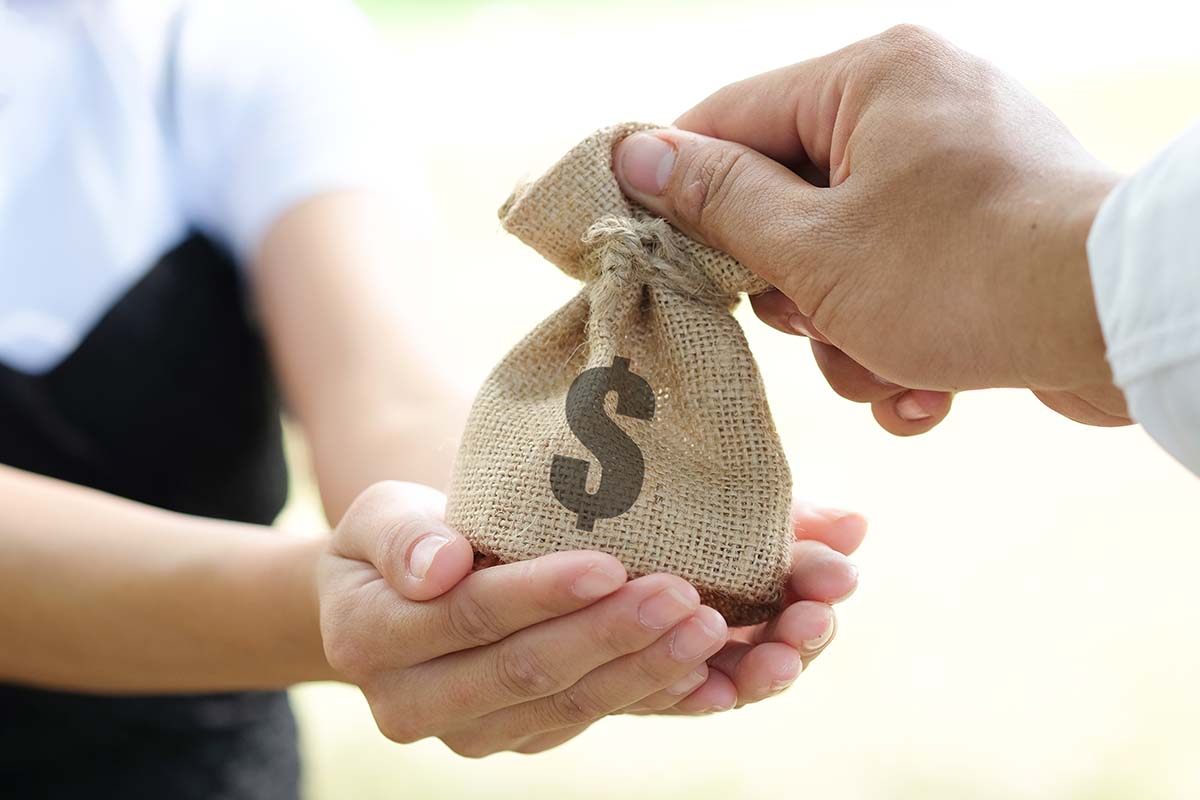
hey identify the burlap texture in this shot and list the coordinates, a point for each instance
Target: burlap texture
(714, 506)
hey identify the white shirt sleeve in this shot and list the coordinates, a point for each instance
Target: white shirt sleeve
(275, 102)
(1144, 251)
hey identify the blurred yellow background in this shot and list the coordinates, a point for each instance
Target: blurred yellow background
(1024, 627)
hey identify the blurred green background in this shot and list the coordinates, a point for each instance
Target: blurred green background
(1024, 626)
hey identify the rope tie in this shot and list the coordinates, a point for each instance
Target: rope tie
(627, 250)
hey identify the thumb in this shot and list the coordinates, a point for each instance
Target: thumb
(725, 195)
(398, 528)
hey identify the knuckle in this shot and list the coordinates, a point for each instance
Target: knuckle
(523, 673)
(618, 638)
(528, 585)
(468, 746)
(376, 497)
(810, 288)
(391, 540)
(849, 390)
(659, 701)
(391, 514)
(347, 651)
(473, 622)
(902, 54)
(850, 380)
(575, 706)
(345, 655)
(911, 39)
(709, 179)
(380, 492)
(611, 639)
(650, 673)
(398, 728)
(401, 722)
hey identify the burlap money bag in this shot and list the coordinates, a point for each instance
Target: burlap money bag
(712, 499)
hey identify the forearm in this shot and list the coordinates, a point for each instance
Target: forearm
(98, 593)
(329, 280)
(354, 449)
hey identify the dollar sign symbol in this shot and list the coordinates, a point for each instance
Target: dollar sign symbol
(621, 462)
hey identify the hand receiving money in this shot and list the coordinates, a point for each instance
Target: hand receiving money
(525, 656)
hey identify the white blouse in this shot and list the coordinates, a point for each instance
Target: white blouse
(124, 124)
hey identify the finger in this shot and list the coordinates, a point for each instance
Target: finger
(821, 573)
(797, 113)
(807, 626)
(912, 412)
(547, 658)
(717, 693)
(496, 602)
(843, 531)
(787, 114)
(674, 663)
(667, 698)
(734, 199)
(545, 741)
(781, 651)
(778, 311)
(1104, 406)
(722, 667)
(398, 528)
(897, 409)
(850, 379)
(764, 670)
(728, 658)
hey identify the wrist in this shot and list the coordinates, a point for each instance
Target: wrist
(283, 580)
(307, 557)
(1056, 330)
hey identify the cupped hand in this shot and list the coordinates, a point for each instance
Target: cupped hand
(500, 658)
(923, 218)
(525, 656)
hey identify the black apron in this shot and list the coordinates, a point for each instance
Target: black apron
(168, 401)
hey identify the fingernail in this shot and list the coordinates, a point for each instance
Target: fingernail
(692, 639)
(854, 580)
(909, 409)
(596, 583)
(420, 557)
(844, 520)
(778, 686)
(715, 709)
(664, 609)
(688, 685)
(833, 514)
(787, 676)
(646, 162)
(797, 324)
(882, 381)
(817, 642)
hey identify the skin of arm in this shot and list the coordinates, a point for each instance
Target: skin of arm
(98, 593)
(329, 283)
